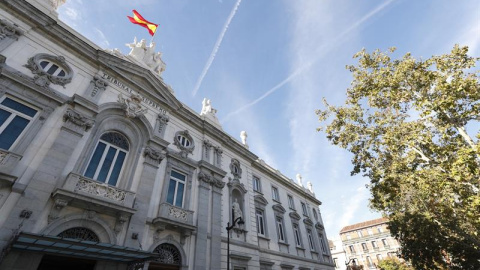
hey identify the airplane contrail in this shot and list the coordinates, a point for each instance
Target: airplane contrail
(215, 48)
(299, 70)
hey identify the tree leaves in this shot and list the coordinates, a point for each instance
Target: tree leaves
(406, 122)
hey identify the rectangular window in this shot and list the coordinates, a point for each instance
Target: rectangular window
(335, 262)
(304, 209)
(370, 231)
(256, 184)
(315, 214)
(379, 229)
(260, 222)
(322, 243)
(374, 244)
(280, 229)
(360, 234)
(275, 195)
(379, 257)
(364, 246)
(176, 189)
(310, 239)
(348, 236)
(296, 233)
(291, 204)
(14, 119)
(107, 159)
(369, 261)
(385, 243)
(352, 249)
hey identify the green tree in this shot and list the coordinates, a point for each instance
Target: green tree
(393, 264)
(406, 122)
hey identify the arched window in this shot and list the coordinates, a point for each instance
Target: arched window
(108, 158)
(79, 233)
(169, 254)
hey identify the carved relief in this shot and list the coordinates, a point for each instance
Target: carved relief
(9, 30)
(49, 69)
(100, 189)
(3, 157)
(177, 213)
(235, 169)
(78, 119)
(154, 155)
(207, 147)
(97, 84)
(133, 106)
(162, 121)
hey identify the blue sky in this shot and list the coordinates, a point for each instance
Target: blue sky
(266, 65)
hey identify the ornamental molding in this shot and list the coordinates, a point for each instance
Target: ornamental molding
(9, 30)
(97, 84)
(319, 226)
(154, 155)
(308, 221)
(133, 105)
(177, 213)
(260, 200)
(41, 77)
(294, 215)
(184, 149)
(278, 208)
(78, 119)
(235, 169)
(100, 189)
(210, 179)
(162, 121)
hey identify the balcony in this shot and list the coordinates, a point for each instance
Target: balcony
(175, 218)
(83, 192)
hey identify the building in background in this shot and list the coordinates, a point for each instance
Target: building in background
(338, 254)
(368, 242)
(101, 167)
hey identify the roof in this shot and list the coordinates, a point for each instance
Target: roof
(364, 224)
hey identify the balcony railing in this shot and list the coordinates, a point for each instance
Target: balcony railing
(83, 192)
(172, 214)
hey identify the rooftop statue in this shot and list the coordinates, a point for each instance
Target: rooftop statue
(209, 112)
(299, 179)
(243, 136)
(147, 55)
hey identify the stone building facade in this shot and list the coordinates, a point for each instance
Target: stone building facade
(368, 242)
(101, 167)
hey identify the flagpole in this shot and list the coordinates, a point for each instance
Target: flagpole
(154, 33)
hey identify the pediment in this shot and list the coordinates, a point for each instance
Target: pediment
(278, 208)
(260, 200)
(308, 221)
(138, 79)
(294, 215)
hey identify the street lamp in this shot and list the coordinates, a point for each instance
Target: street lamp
(349, 261)
(229, 227)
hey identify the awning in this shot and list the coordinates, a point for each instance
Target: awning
(79, 248)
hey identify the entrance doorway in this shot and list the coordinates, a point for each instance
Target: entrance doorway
(50, 262)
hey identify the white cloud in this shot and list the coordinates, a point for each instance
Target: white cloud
(71, 14)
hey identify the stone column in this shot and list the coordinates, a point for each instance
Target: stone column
(202, 220)
(216, 220)
(153, 158)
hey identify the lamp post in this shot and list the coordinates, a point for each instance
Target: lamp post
(347, 263)
(229, 227)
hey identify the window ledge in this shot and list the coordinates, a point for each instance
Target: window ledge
(257, 191)
(277, 201)
(263, 237)
(301, 248)
(283, 243)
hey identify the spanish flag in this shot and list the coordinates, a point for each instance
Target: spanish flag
(138, 19)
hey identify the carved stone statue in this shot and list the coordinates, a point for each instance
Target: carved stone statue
(208, 111)
(243, 136)
(310, 186)
(147, 55)
(299, 179)
(138, 49)
(237, 211)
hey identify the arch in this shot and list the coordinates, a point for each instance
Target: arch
(95, 224)
(112, 119)
(171, 241)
